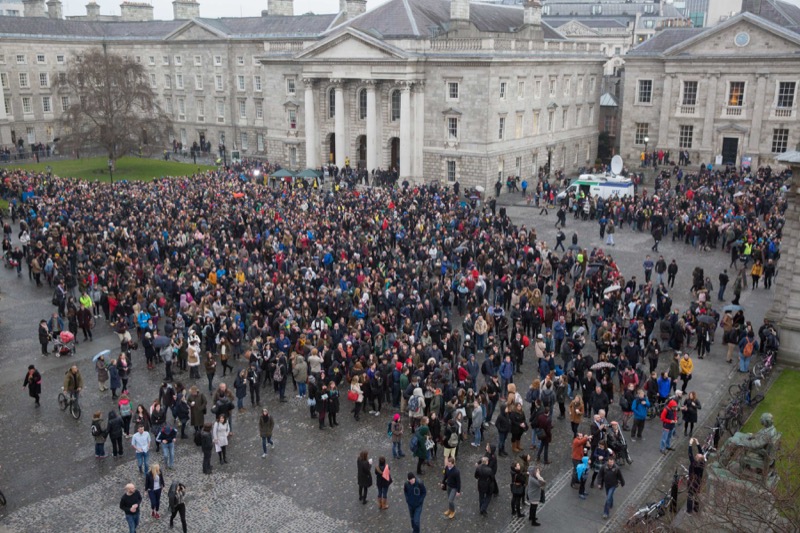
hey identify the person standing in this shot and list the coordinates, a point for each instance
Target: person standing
(383, 478)
(141, 443)
(535, 493)
(166, 436)
(690, 407)
(415, 492)
(452, 483)
(115, 433)
(610, 233)
(153, 484)
(265, 426)
(697, 465)
(723, 282)
(99, 433)
(44, 336)
(102, 373)
(640, 406)
(220, 434)
(197, 408)
(397, 437)
(518, 486)
(748, 345)
(483, 473)
(672, 271)
(575, 414)
(363, 464)
(648, 268)
(686, 366)
(206, 444)
(669, 416)
(114, 381)
(211, 370)
(33, 380)
(610, 479)
(177, 505)
(130, 503)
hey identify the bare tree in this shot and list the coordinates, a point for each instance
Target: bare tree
(112, 106)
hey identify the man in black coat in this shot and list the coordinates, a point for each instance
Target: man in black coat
(483, 473)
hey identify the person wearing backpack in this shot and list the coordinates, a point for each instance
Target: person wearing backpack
(99, 432)
(418, 445)
(747, 347)
(176, 496)
(416, 407)
(115, 433)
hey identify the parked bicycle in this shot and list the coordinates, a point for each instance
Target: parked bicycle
(732, 418)
(71, 402)
(743, 392)
(712, 440)
(763, 368)
(655, 409)
(651, 512)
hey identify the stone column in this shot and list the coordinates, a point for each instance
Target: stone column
(372, 126)
(405, 131)
(758, 115)
(419, 130)
(666, 111)
(711, 110)
(339, 123)
(312, 146)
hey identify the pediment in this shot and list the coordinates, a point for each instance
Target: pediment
(352, 45)
(451, 111)
(573, 28)
(763, 39)
(194, 31)
(732, 128)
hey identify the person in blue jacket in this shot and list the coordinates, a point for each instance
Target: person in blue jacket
(506, 374)
(664, 387)
(639, 406)
(415, 492)
(582, 471)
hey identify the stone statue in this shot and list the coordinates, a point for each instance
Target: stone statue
(753, 451)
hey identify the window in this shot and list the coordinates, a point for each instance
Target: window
(23, 80)
(291, 86)
(198, 61)
(617, 50)
(395, 111)
(537, 89)
(578, 116)
(564, 118)
(151, 60)
(535, 122)
(167, 81)
(642, 129)
(62, 78)
(644, 94)
(292, 118)
(243, 140)
(242, 108)
(780, 140)
(44, 79)
(580, 85)
(7, 106)
(220, 110)
(138, 59)
(2, 59)
(240, 82)
(591, 115)
(40, 58)
(552, 87)
(567, 86)
(217, 61)
(4, 80)
(452, 128)
(520, 90)
(181, 109)
(178, 60)
(169, 106)
(198, 82)
(240, 60)
(610, 124)
(200, 104)
(518, 165)
(293, 156)
(153, 80)
(179, 81)
(689, 93)
(503, 90)
(64, 103)
(649, 23)
(452, 90)
(451, 171)
(21, 59)
(26, 105)
(31, 133)
(47, 104)
(736, 94)
(165, 60)
(218, 82)
(551, 120)
(331, 102)
(685, 137)
(535, 164)
(257, 83)
(597, 9)
(260, 142)
(518, 126)
(184, 138)
(501, 128)
(592, 83)
(362, 104)
(259, 109)
(786, 90)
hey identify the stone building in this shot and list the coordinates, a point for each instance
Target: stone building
(726, 94)
(439, 89)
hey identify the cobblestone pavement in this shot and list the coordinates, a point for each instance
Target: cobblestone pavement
(308, 482)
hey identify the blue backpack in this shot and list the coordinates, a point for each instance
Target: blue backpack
(414, 444)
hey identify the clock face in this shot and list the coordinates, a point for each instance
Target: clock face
(742, 39)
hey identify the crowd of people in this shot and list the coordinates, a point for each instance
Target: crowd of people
(407, 299)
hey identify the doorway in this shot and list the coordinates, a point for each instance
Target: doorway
(394, 153)
(361, 152)
(730, 149)
(331, 148)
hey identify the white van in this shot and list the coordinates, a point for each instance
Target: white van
(602, 185)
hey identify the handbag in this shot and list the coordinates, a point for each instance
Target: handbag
(541, 496)
(352, 396)
(312, 402)
(429, 444)
(517, 490)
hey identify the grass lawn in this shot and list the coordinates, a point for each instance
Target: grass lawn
(127, 168)
(781, 401)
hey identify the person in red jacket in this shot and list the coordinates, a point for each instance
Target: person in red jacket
(669, 417)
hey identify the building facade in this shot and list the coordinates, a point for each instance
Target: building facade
(437, 89)
(727, 94)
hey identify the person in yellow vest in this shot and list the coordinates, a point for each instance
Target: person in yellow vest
(748, 252)
(642, 158)
(347, 161)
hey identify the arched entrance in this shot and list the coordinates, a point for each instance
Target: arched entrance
(331, 148)
(394, 153)
(361, 151)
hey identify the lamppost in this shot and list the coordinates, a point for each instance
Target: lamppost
(111, 169)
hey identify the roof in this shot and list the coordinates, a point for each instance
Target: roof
(268, 26)
(427, 18)
(664, 40)
(608, 100)
(775, 11)
(612, 9)
(590, 22)
(789, 157)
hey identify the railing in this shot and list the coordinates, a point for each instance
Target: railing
(687, 110)
(733, 111)
(456, 44)
(783, 112)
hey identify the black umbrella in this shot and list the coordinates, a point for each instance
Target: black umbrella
(161, 341)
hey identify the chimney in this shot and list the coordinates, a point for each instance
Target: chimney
(136, 11)
(533, 13)
(459, 11)
(281, 8)
(54, 10)
(185, 9)
(352, 8)
(33, 8)
(92, 10)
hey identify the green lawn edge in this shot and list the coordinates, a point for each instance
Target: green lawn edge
(127, 168)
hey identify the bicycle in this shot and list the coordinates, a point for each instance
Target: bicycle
(712, 441)
(650, 512)
(763, 368)
(70, 402)
(743, 392)
(655, 409)
(732, 418)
